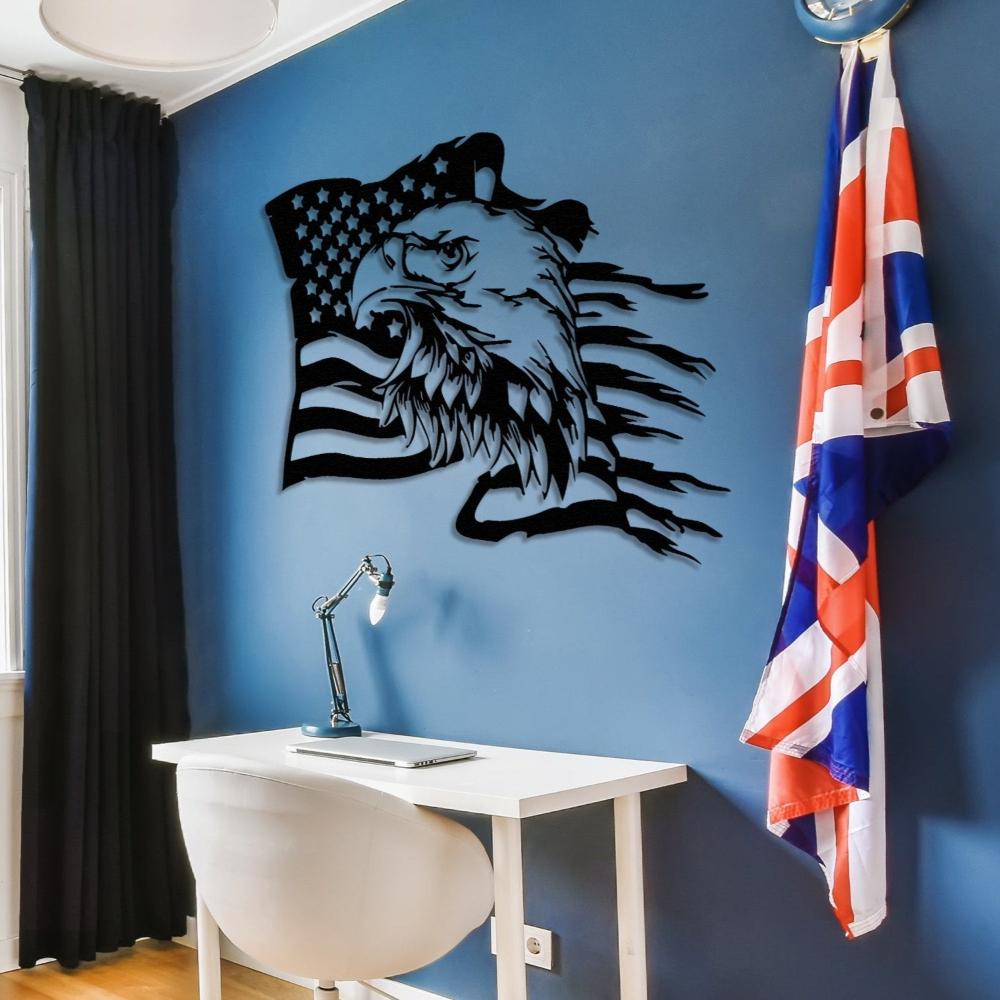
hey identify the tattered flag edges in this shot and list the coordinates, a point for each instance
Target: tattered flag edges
(441, 317)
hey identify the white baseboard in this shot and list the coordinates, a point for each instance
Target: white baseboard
(8, 955)
(384, 989)
(377, 989)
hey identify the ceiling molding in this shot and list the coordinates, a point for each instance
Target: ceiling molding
(25, 45)
(235, 73)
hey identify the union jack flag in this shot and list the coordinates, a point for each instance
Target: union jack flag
(872, 423)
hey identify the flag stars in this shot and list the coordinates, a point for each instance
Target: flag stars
(406, 183)
(301, 231)
(440, 166)
(311, 287)
(322, 195)
(383, 225)
(331, 253)
(316, 242)
(326, 229)
(427, 190)
(355, 252)
(324, 298)
(297, 201)
(345, 200)
(351, 222)
(335, 281)
(345, 267)
(380, 196)
(342, 239)
(335, 215)
(395, 207)
(312, 214)
(362, 207)
(306, 258)
(340, 309)
(321, 270)
(314, 315)
(395, 329)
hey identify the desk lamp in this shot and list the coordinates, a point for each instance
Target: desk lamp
(340, 723)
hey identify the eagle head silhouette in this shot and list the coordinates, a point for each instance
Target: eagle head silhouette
(478, 298)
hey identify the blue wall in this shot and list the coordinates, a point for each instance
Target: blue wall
(697, 146)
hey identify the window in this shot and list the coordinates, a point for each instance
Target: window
(13, 363)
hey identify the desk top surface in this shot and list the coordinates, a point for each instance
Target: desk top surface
(500, 781)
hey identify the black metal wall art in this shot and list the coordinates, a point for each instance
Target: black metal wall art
(442, 318)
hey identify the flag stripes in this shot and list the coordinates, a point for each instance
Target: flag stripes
(872, 422)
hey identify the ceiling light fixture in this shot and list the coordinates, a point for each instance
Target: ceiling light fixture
(160, 35)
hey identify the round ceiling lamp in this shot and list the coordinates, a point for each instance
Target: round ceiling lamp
(160, 34)
(840, 21)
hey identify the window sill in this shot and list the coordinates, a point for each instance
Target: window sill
(11, 694)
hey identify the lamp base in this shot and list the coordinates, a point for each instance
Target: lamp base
(328, 731)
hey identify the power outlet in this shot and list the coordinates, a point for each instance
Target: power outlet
(537, 945)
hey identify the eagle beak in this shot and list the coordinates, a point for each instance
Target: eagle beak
(379, 284)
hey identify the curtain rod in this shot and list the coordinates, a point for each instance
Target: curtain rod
(17, 76)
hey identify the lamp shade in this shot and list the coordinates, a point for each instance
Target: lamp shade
(160, 34)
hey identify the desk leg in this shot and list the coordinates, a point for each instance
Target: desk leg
(209, 956)
(631, 908)
(508, 874)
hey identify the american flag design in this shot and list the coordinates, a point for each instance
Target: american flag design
(873, 421)
(443, 318)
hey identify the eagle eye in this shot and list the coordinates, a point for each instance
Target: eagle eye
(435, 260)
(452, 253)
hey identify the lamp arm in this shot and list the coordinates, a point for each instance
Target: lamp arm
(324, 605)
(324, 608)
(339, 706)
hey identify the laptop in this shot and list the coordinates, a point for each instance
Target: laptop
(371, 750)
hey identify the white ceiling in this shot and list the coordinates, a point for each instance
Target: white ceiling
(24, 45)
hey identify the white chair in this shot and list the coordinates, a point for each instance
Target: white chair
(326, 879)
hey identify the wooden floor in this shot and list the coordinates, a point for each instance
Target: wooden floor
(149, 971)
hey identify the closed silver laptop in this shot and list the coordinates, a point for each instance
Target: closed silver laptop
(375, 751)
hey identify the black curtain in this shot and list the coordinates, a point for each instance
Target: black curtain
(102, 861)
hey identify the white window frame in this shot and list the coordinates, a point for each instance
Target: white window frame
(13, 397)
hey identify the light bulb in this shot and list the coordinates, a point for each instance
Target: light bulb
(377, 608)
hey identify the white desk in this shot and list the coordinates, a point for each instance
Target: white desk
(506, 784)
